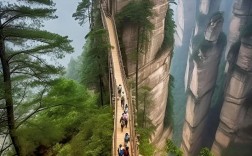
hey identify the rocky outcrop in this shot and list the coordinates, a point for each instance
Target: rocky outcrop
(206, 9)
(235, 127)
(153, 69)
(242, 11)
(204, 58)
(235, 119)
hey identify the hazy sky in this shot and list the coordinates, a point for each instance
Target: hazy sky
(66, 25)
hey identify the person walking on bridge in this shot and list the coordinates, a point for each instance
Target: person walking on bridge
(119, 88)
(120, 150)
(125, 117)
(122, 100)
(126, 151)
(126, 139)
(122, 122)
(126, 108)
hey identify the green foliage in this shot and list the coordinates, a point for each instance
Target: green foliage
(136, 12)
(63, 108)
(70, 116)
(205, 152)
(83, 11)
(144, 105)
(95, 58)
(171, 148)
(74, 69)
(169, 30)
(23, 49)
(146, 127)
(95, 136)
(145, 148)
(168, 121)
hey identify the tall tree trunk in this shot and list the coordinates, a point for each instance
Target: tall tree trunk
(8, 96)
(101, 88)
(137, 57)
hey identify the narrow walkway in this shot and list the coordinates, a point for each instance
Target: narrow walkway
(119, 80)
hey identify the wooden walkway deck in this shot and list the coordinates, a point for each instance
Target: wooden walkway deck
(119, 80)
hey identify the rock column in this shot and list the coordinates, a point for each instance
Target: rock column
(204, 60)
(242, 12)
(236, 114)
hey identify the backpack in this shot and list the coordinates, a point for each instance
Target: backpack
(122, 98)
(127, 138)
(120, 151)
(126, 153)
(122, 122)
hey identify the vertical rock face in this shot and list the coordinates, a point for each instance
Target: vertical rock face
(153, 70)
(203, 61)
(235, 119)
(206, 9)
(242, 12)
(185, 21)
(235, 127)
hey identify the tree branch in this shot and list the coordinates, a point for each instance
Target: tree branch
(26, 73)
(9, 20)
(24, 93)
(5, 148)
(30, 51)
(2, 148)
(38, 110)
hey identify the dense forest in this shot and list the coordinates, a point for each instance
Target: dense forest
(46, 109)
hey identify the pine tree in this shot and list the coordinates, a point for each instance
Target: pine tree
(138, 13)
(22, 48)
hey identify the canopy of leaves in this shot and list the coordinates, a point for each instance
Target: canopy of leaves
(26, 44)
(205, 152)
(95, 137)
(171, 148)
(169, 29)
(74, 69)
(145, 148)
(95, 56)
(136, 12)
(70, 116)
(83, 11)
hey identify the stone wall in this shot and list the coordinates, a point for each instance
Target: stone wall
(153, 70)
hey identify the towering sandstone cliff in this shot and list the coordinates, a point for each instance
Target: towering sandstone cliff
(241, 14)
(185, 21)
(153, 68)
(204, 58)
(236, 114)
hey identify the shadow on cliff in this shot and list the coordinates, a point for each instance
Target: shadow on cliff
(213, 117)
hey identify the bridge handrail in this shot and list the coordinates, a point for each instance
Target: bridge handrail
(133, 144)
(131, 108)
(111, 71)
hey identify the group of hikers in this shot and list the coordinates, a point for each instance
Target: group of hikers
(123, 150)
(125, 116)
